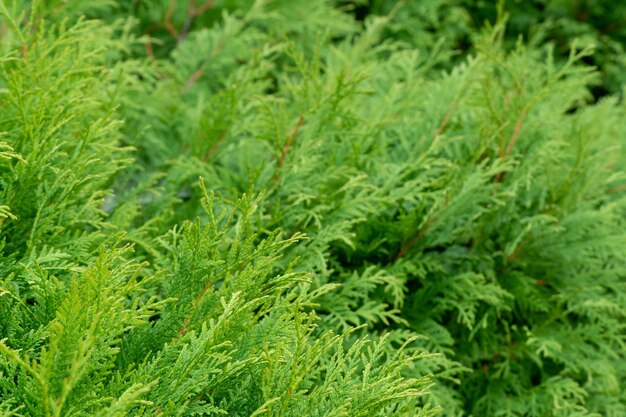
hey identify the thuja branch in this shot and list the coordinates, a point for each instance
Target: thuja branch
(167, 22)
(446, 119)
(196, 301)
(288, 144)
(452, 108)
(419, 234)
(512, 141)
(518, 127)
(215, 145)
(195, 76)
(192, 12)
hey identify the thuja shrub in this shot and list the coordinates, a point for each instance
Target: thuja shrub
(270, 208)
(563, 23)
(100, 316)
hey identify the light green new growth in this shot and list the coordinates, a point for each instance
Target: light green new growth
(270, 208)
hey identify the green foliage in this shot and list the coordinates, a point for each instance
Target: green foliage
(370, 235)
(565, 24)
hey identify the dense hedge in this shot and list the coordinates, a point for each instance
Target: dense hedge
(562, 24)
(312, 208)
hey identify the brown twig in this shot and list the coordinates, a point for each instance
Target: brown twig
(419, 235)
(512, 141)
(187, 25)
(214, 147)
(194, 77)
(149, 49)
(167, 21)
(455, 103)
(192, 12)
(518, 127)
(167, 24)
(206, 6)
(148, 44)
(445, 120)
(206, 287)
(288, 145)
(616, 189)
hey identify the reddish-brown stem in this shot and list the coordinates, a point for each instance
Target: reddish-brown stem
(187, 25)
(514, 137)
(214, 146)
(149, 49)
(167, 21)
(445, 120)
(192, 12)
(194, 77)
(518, 127)
(616, 189)
(206, 287)
(514, 255)
(206, 6)
(419, 235)
(409, 243)
(288, 145)
(171, 29)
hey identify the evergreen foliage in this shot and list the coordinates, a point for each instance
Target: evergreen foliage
(273, 208)
(562, 23)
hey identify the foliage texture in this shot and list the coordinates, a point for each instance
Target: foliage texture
(312, 208)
